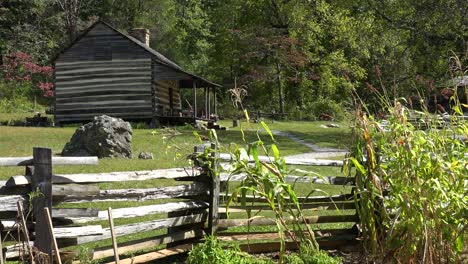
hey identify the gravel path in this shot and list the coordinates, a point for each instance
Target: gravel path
(316, 151)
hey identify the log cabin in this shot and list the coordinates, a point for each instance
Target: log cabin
(105, 71)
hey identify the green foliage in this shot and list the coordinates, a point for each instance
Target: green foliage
(84, 256)
(328, 107)
(308, 256)
(425, 171)
(17, 97)
(267, 180)
(211, 251)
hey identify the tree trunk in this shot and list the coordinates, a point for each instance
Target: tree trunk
(280, 88)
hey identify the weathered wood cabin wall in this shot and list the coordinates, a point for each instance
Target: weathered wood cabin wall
(103, 73)
(167, 97)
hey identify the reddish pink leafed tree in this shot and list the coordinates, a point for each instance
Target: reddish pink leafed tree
(20, 67)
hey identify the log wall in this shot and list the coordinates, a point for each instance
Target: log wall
(103, 73)
(167, 97)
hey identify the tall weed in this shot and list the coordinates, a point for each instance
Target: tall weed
(412, 184)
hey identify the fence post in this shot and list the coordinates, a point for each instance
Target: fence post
(42, 181)
(214, 192)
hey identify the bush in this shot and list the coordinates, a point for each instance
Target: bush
(17, 97)
(326, 106)
(212, 252)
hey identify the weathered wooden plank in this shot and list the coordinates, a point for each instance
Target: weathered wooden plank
(103, 79)
(75, 190)
(71, 116)
(111, 88)
(88, 117)
(143, 105)
(107, 102)
(57, 190)
(25, 161)
(339, 205)
(149, 243)
(264, 247)
(96, 71)
(292, 161)
(136, 228)
(58, 213)
(111, 110)
(172, 173)
(112, 74)
(97, 98)
(319, 234)
(305, 199)
(194, 189)
(78, 231)
(130, 212)
(163, 253)
(134, 91)
(91, 67)
(226, 223)
(74, 212)
(86, 64)
(300, 179)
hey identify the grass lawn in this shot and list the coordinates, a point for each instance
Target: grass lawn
(170, 148)
(311, 132)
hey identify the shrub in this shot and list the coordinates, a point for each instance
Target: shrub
(324, 106)
(212, 252)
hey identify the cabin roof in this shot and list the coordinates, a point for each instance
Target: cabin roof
(156, 56)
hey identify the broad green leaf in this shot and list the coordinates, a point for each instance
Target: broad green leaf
(275, 151)
(267, 129)
(358, 165)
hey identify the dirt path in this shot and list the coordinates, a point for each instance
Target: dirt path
(316, 151)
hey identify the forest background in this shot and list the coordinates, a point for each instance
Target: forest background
(304, 57)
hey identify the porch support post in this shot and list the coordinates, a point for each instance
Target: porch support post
(209, 103)
(206, 102)
(194, 92)
(215, 105)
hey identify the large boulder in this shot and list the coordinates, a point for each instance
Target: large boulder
(104, 137)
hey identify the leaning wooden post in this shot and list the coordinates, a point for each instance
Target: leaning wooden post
(42, 181)
(48, 218)
(25, 230)
(214, 191)
(114, 240)
(1, 249)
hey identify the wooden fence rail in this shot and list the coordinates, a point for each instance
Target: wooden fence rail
(186, 220)
(201, 210)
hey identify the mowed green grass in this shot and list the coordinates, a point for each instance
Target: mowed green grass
(311, 132)
(170, 148)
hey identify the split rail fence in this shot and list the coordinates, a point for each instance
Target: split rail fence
(199, 211)
(337, 211)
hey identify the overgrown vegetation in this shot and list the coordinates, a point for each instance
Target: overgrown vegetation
(412, 183)
(267, 180)
(211, 251)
